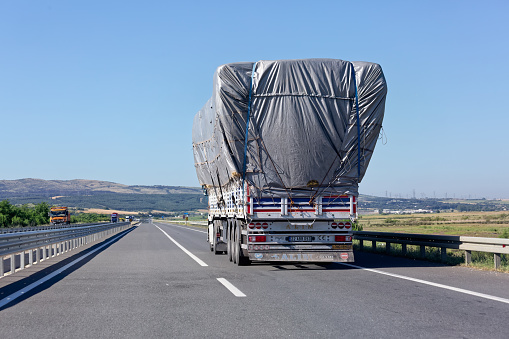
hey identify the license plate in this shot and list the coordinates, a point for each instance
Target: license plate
(295, 239)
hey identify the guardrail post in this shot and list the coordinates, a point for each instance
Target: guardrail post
(443, 253)
(403, 249)
(361, 244)
(22, 260)
(373, 245)
(31, 257)
(423, 251)
(13, 262)
(1, 266)
(468, 257)
(387, 247)
(37, 255)
(497, 260)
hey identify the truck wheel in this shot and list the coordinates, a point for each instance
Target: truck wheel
(229, 242)
(209, 240)
(214, 235)
(241, 260)
(235, 252)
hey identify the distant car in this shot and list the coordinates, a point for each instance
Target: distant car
(114, 217)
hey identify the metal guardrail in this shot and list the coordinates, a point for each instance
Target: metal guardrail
(24, 247)
(496, 246)
(4, 230)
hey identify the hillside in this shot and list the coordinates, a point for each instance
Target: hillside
(94, 194)
(27, 188)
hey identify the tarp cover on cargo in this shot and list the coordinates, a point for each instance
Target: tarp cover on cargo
(302, 125)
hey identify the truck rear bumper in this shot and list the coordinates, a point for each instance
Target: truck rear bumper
(343, 256)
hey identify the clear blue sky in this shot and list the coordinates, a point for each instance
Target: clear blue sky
(108, 90)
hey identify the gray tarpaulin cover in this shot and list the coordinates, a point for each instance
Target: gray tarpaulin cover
(301, 121)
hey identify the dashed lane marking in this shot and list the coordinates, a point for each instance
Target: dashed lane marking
(236, 292)
(195, 258)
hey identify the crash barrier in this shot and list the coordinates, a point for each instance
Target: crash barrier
(5, 230)
(496, 246)
(27, 248)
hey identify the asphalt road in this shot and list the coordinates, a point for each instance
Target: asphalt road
(162, 281)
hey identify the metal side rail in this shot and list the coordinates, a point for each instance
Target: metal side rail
(43, 244)
(496, 246)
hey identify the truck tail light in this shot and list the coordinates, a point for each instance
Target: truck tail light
(348, 225)
(258, 225)
(251, 225)
(265, 225)
(334, 225)
(343, 238)
(257, 238)
(341, 225)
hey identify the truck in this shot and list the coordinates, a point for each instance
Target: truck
(114, 217)
(280, 149)
(59, 215)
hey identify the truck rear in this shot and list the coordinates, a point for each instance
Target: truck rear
(280, 149)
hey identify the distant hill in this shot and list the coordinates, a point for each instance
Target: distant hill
(27, 188)
(93, 194)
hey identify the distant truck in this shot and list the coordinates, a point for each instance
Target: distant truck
(59, 215)
(114, 217)
(280, 149)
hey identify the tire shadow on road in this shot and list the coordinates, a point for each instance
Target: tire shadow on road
(364, 259)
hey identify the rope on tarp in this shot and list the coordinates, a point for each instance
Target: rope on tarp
(247, 122)
(358, 125)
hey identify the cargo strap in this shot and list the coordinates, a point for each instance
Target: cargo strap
(247, 122)
(358, 125)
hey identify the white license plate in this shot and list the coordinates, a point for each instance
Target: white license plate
(299, 238)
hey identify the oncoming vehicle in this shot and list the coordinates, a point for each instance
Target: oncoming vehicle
(114, 217)
(59, 216)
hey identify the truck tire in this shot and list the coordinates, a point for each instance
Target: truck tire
(240, 259)
(235, 252)
(229, 242)
(214, 235)
(210, 240)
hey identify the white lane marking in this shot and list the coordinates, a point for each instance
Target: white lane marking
(460, 290)
(198, 260)
(186, 228)
(236, 292)
(33, 285)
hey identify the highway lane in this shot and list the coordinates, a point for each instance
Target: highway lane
(144, 285)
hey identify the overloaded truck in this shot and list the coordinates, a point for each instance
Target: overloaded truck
(59, 215)
(280, 149)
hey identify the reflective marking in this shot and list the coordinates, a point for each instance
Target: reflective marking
(33, 285)
(460, 290)
(236, 292)
(187, 228)
(195, 258)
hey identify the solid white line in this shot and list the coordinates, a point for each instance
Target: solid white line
(33, 285)
(236, 292)
(186, 228)
(460, 290)
(198, 260)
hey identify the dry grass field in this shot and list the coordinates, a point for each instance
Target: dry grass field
(475, 224)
